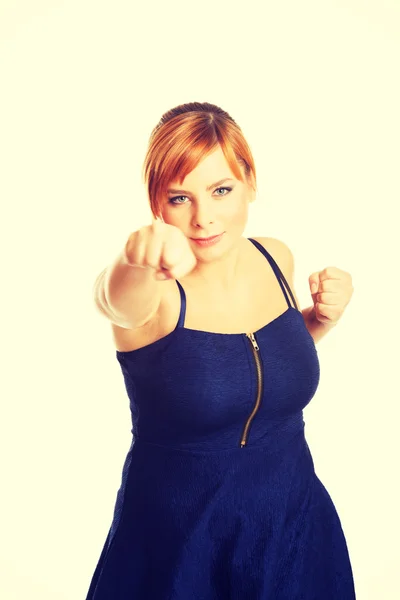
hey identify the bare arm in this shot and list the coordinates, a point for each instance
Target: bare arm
(128, 296)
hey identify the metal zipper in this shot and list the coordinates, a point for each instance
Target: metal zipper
(256, 350)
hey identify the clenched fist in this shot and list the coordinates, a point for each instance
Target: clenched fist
(161, 247)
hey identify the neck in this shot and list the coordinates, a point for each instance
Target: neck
(219, 275)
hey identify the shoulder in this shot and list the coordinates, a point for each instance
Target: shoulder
(280, 252)
(283, 257)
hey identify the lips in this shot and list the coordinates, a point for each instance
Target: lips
(209, 238)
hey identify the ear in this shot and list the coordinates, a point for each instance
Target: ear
(252, 189)
(252, 193)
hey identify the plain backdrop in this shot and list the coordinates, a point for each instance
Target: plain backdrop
(315, 88)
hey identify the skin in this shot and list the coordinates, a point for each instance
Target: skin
(201, 213)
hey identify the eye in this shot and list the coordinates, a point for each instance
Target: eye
(224, 188)
(172, 200)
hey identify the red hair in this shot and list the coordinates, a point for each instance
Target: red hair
(183, 137)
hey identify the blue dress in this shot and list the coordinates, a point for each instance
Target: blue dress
(219, 499)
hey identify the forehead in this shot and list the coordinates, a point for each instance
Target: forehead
(212, 168)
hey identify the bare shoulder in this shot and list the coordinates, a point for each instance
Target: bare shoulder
(280, 251)
(284, 258)
(165, 319)
(126, 340)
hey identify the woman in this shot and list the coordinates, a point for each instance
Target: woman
(219, 498)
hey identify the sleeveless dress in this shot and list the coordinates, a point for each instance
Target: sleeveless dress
(219, 499)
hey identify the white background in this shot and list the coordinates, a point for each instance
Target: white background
(315, 88)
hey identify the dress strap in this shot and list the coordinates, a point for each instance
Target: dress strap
(275, 268)
(182, 312)
(279, 275)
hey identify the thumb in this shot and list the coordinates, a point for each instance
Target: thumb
(314, 282)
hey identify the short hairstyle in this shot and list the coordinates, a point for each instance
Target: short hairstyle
(182, 138)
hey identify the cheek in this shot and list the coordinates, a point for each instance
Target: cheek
(238, 213)
(170, 216)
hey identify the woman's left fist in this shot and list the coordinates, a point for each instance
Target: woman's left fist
(331, 291)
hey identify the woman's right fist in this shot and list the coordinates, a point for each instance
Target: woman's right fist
(161, 247)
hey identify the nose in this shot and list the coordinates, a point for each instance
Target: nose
(202, 215)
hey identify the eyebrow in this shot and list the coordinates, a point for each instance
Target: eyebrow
(173, 191)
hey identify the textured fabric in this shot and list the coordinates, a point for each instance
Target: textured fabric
(197, 516)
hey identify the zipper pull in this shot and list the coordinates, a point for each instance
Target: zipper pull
(253, 340)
